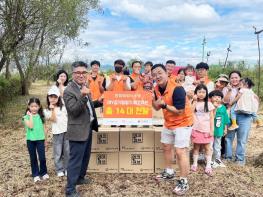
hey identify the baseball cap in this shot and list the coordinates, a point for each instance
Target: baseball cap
(53, 91)
(222, 79)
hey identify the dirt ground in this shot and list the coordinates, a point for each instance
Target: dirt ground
(16, 180)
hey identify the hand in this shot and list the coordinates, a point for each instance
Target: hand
(160, 102)
(114, 78)
(51, 106)
(29, 113)
(101, 99)
(60, 82)
(195, 97)
(84, 91)
(229, 88)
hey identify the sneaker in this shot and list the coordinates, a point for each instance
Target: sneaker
(45, 177)
(181, 187)
(36, 179)
(233, 127)
(165, 176)
(83, 181)
(60, 174)
(220, 163)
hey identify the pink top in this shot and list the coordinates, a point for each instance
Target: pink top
(202, 118)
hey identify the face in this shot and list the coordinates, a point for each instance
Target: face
(53, 99)
(95, 68)
(62, 77)
(189, 72)
(147, 68)
(201, 94)
(169, 68)
(34, 107)
(234, 79)
(216, 99)
(181, 75)
(79, 75)
(160, 76)
(220, 84)
(136, 68)
(201, 72)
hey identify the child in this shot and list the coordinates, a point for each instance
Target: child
(203, 127)
(35, 135)
(57, 114)
(146, 77)
(189, 78)
(221, 121)
(245, 102)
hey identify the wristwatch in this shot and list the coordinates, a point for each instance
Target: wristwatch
(164, 106)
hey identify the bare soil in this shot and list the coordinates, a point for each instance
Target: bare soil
(16, 180)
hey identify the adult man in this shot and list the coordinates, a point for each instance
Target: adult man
(177, 125)
(170, 65)
(118, 81)
(81, 121)
(202, 76)
(96, 82)
(136, 78)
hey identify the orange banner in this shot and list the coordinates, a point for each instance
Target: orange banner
(127, 104)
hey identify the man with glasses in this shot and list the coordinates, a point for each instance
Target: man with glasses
(81, 121)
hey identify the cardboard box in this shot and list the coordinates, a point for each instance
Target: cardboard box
(106, 140)
(136, 162)
(104, 162)
(159, 162)
(157, 139)
(136, 139)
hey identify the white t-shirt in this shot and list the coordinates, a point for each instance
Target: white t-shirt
(60, 126)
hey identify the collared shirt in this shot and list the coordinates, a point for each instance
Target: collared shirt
(88, 104)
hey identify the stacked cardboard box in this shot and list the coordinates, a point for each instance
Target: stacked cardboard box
(105, 150)
(136, 150)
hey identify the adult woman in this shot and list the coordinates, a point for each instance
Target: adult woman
(243, 120)
(180, 76)
(61, 79)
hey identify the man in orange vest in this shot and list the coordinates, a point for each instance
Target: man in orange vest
(118, 81)
(170, 65)
(202, 76)
(136, 78)
(96, 82)
(177, 129)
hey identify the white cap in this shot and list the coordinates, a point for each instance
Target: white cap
(53, 91)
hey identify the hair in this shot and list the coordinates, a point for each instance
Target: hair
(180, 70)
(120, 62)
(202, 65)
(216, 93)
(40, 111)
(158, 65)
(95, 62)
(235, 71)
(126, 71)
(190, 67)
(148, 63)
(200, 87)
(79, 64)
(58, 104)
(170, 62)
(249, 82)
(57, 76)
(136, 61)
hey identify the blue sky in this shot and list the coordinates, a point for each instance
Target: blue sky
(159, 30)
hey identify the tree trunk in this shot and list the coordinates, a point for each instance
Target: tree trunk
(2, 61)
(25, 87)
(7, 69)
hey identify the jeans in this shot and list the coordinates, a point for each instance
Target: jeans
(35, 147)
(79, 155)
(60, 152)
(233, 114)
(244, 123)
(217, 148)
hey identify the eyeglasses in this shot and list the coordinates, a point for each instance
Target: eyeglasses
(80, 73)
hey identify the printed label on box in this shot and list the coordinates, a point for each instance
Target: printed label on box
(136, 159)
(137, 138)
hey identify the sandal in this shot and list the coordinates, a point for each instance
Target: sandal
(209, 171)
(193, 168)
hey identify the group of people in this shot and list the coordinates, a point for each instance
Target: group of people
(195, 109)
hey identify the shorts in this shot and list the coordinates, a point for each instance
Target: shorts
(179, 137)
(201, 137)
